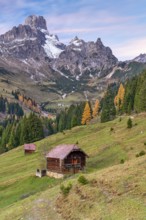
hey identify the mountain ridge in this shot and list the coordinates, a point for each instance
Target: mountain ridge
(74, 72)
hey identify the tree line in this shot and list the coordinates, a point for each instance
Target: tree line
(10, 108)
(28, 129)
(118, 99)
(26, 101)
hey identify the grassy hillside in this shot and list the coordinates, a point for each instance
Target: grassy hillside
(115, 190)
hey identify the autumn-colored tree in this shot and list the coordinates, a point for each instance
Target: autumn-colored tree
(25, 101)
(86, 117)
(21, 98)
(29, 103)
(119, 98)
(96, 109)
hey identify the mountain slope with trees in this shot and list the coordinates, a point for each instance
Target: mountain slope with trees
(107, 149)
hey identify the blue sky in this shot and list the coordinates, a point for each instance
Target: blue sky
(121, 24)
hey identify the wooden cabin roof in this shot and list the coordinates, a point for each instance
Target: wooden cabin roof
(62, 151)
(29, 147)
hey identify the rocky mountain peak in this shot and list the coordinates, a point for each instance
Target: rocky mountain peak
(140, 59)
(36, 22)
(76, 38)
(76, 41)
(99, 42)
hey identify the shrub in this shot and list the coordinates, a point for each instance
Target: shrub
(144, 143)
(120, 119)
(82, 180)
(65, 189)
(129, 123)
(112, 129)
(142, 153)
(122, 161)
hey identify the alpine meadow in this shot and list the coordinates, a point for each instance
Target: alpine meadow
(72, 110)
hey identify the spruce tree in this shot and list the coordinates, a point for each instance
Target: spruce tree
(108, 112)
(62, 121)
(140, 96)
(129, 123)
(12, 140)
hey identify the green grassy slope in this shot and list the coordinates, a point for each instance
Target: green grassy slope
(20, 190)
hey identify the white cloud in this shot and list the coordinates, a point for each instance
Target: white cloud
(130, 49)
(87, 21)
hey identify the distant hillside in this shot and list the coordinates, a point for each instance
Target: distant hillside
(115, 190)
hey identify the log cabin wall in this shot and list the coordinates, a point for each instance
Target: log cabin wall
(74, 162)
(29, 151)
(81, 158)
(53, 164)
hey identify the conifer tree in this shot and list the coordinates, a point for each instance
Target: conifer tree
(86, 117)
(130, 90)
(96, 109)
(140, 95)
(108, 108)
(5, 137)
(12, 142)
(62, 121)
(129, 123)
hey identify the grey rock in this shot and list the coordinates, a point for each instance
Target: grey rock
(81, 57)
(36, 22)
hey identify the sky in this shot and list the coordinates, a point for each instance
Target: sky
(121, 24)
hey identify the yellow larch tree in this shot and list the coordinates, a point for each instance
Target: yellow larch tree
(29, 103)
(21, 98)
(86, 117)
(96, 109)
(119, 98)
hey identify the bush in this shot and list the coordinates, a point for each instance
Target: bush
(65, 189)
(122, 161)
(142, 153)
(144, 143)
(82, 180)
(129, 123)
(112, 129)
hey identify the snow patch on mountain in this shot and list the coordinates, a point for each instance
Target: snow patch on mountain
(51, 46)
(64, 95)
(76, 42)
(77, 49)
(77, 78)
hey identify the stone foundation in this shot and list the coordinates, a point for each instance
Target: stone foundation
(55, 175)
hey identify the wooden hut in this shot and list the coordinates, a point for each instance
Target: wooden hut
(29, 148)
(65, 159)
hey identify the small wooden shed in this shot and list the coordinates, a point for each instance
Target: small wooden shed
(29, 148)
(65, 159)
